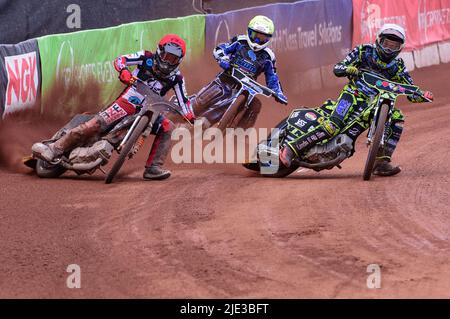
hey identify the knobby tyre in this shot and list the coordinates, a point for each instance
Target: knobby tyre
(373, 150)
(140, 127)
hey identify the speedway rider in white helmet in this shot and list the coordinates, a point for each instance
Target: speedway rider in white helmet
(250, 54)
(382, 58)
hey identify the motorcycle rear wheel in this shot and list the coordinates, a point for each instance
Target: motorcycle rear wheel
(230, 115)
(46, 170)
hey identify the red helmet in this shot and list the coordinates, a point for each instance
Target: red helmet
(170, 53)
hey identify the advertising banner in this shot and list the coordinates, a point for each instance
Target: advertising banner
(77, 59)
(19, 76)
(425, 21)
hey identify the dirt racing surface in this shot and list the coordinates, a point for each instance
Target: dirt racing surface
(219, 231)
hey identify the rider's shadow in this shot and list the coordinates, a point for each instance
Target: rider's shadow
(324, 176)
(305, 175)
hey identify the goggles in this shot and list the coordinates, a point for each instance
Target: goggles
(170, 54)
(258, 37)
(390, 44)
(169, 58)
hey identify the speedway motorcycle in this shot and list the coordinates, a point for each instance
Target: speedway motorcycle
(230, 111)
(330, 153)
(125, 138)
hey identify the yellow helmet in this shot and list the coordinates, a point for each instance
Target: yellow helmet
(260, 31)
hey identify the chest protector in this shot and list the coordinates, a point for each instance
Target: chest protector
(371, 60)
(248, 61)
(159, 85)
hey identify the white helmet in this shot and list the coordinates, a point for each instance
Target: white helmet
(390, 41)
(260, 31)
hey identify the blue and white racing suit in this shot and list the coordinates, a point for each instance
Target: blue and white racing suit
(238, 54)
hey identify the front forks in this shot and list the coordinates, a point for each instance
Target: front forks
(143, 112)
(130, 131)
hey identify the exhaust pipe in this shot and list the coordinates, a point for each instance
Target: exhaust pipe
(82, 166)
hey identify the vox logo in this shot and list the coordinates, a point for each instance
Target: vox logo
(23, 79)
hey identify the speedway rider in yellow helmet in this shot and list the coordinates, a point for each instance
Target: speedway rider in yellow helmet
(250, 54)
(259, 33)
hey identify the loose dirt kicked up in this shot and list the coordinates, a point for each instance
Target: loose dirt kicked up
(218, 231)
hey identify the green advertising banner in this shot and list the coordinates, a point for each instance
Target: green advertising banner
(74, 63)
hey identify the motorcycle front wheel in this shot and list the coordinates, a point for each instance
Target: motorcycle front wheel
(140, 127)
(373, 150)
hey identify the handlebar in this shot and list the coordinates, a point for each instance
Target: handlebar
(363, 70)
(381, 83)
(252, 84)
(160, 105)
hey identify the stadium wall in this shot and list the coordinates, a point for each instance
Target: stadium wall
(31, 19)
(76, 59)
(427, 24)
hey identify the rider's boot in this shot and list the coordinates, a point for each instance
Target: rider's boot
(383, 166)
(158, 153)
(74, 137)
(294, 148)
(156, 173)
(47, 152)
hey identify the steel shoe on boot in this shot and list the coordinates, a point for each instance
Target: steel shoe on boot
(385, 168)
(155, 172)
(46, 152)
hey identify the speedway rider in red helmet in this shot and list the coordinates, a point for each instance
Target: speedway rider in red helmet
(160, 71)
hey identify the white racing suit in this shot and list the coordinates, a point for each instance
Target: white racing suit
(128, 101)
